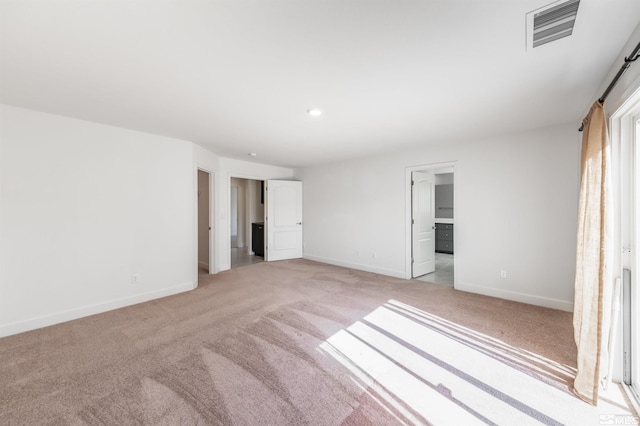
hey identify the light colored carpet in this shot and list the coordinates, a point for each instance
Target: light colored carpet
(298, 342)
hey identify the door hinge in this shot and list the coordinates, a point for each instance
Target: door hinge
(412, 261)
(413, 183)
(413, 221)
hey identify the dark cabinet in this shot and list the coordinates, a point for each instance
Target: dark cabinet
(257, 238)
(444, 238)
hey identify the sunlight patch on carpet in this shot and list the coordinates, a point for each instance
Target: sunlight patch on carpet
(433, 371)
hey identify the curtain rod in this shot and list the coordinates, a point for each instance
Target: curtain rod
(627, 63)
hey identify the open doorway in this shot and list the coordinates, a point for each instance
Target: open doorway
(246, 218)
(432, 223)
(205, 257)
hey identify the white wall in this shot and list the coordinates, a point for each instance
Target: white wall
(516, 206)
(85, 206)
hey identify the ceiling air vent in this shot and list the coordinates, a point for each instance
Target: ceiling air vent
(551, 22)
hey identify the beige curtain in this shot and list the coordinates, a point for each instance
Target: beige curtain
(594, 283)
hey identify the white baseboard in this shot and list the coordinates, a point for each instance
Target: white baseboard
(530, 299)
(84, 311)
(204, 265)
(366, 268)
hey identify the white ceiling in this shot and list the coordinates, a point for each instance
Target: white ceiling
(237, 76)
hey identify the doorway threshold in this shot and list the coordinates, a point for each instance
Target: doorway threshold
(443, 274)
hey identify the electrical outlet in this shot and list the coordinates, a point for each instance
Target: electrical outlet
(503, 274)
(135, 278)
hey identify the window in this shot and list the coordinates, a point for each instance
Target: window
(625, 139)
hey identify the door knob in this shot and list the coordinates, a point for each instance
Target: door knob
(299, 223)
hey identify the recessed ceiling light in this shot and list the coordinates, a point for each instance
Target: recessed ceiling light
(314, 112)
(252, 154)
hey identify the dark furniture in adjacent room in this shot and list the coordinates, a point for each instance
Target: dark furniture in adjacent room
(444, 238)
(257, 238)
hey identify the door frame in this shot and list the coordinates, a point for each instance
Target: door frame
(227, 245)
(408, 211)
(212, 223)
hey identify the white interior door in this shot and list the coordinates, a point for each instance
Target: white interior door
(423, 223)
(283, 220)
